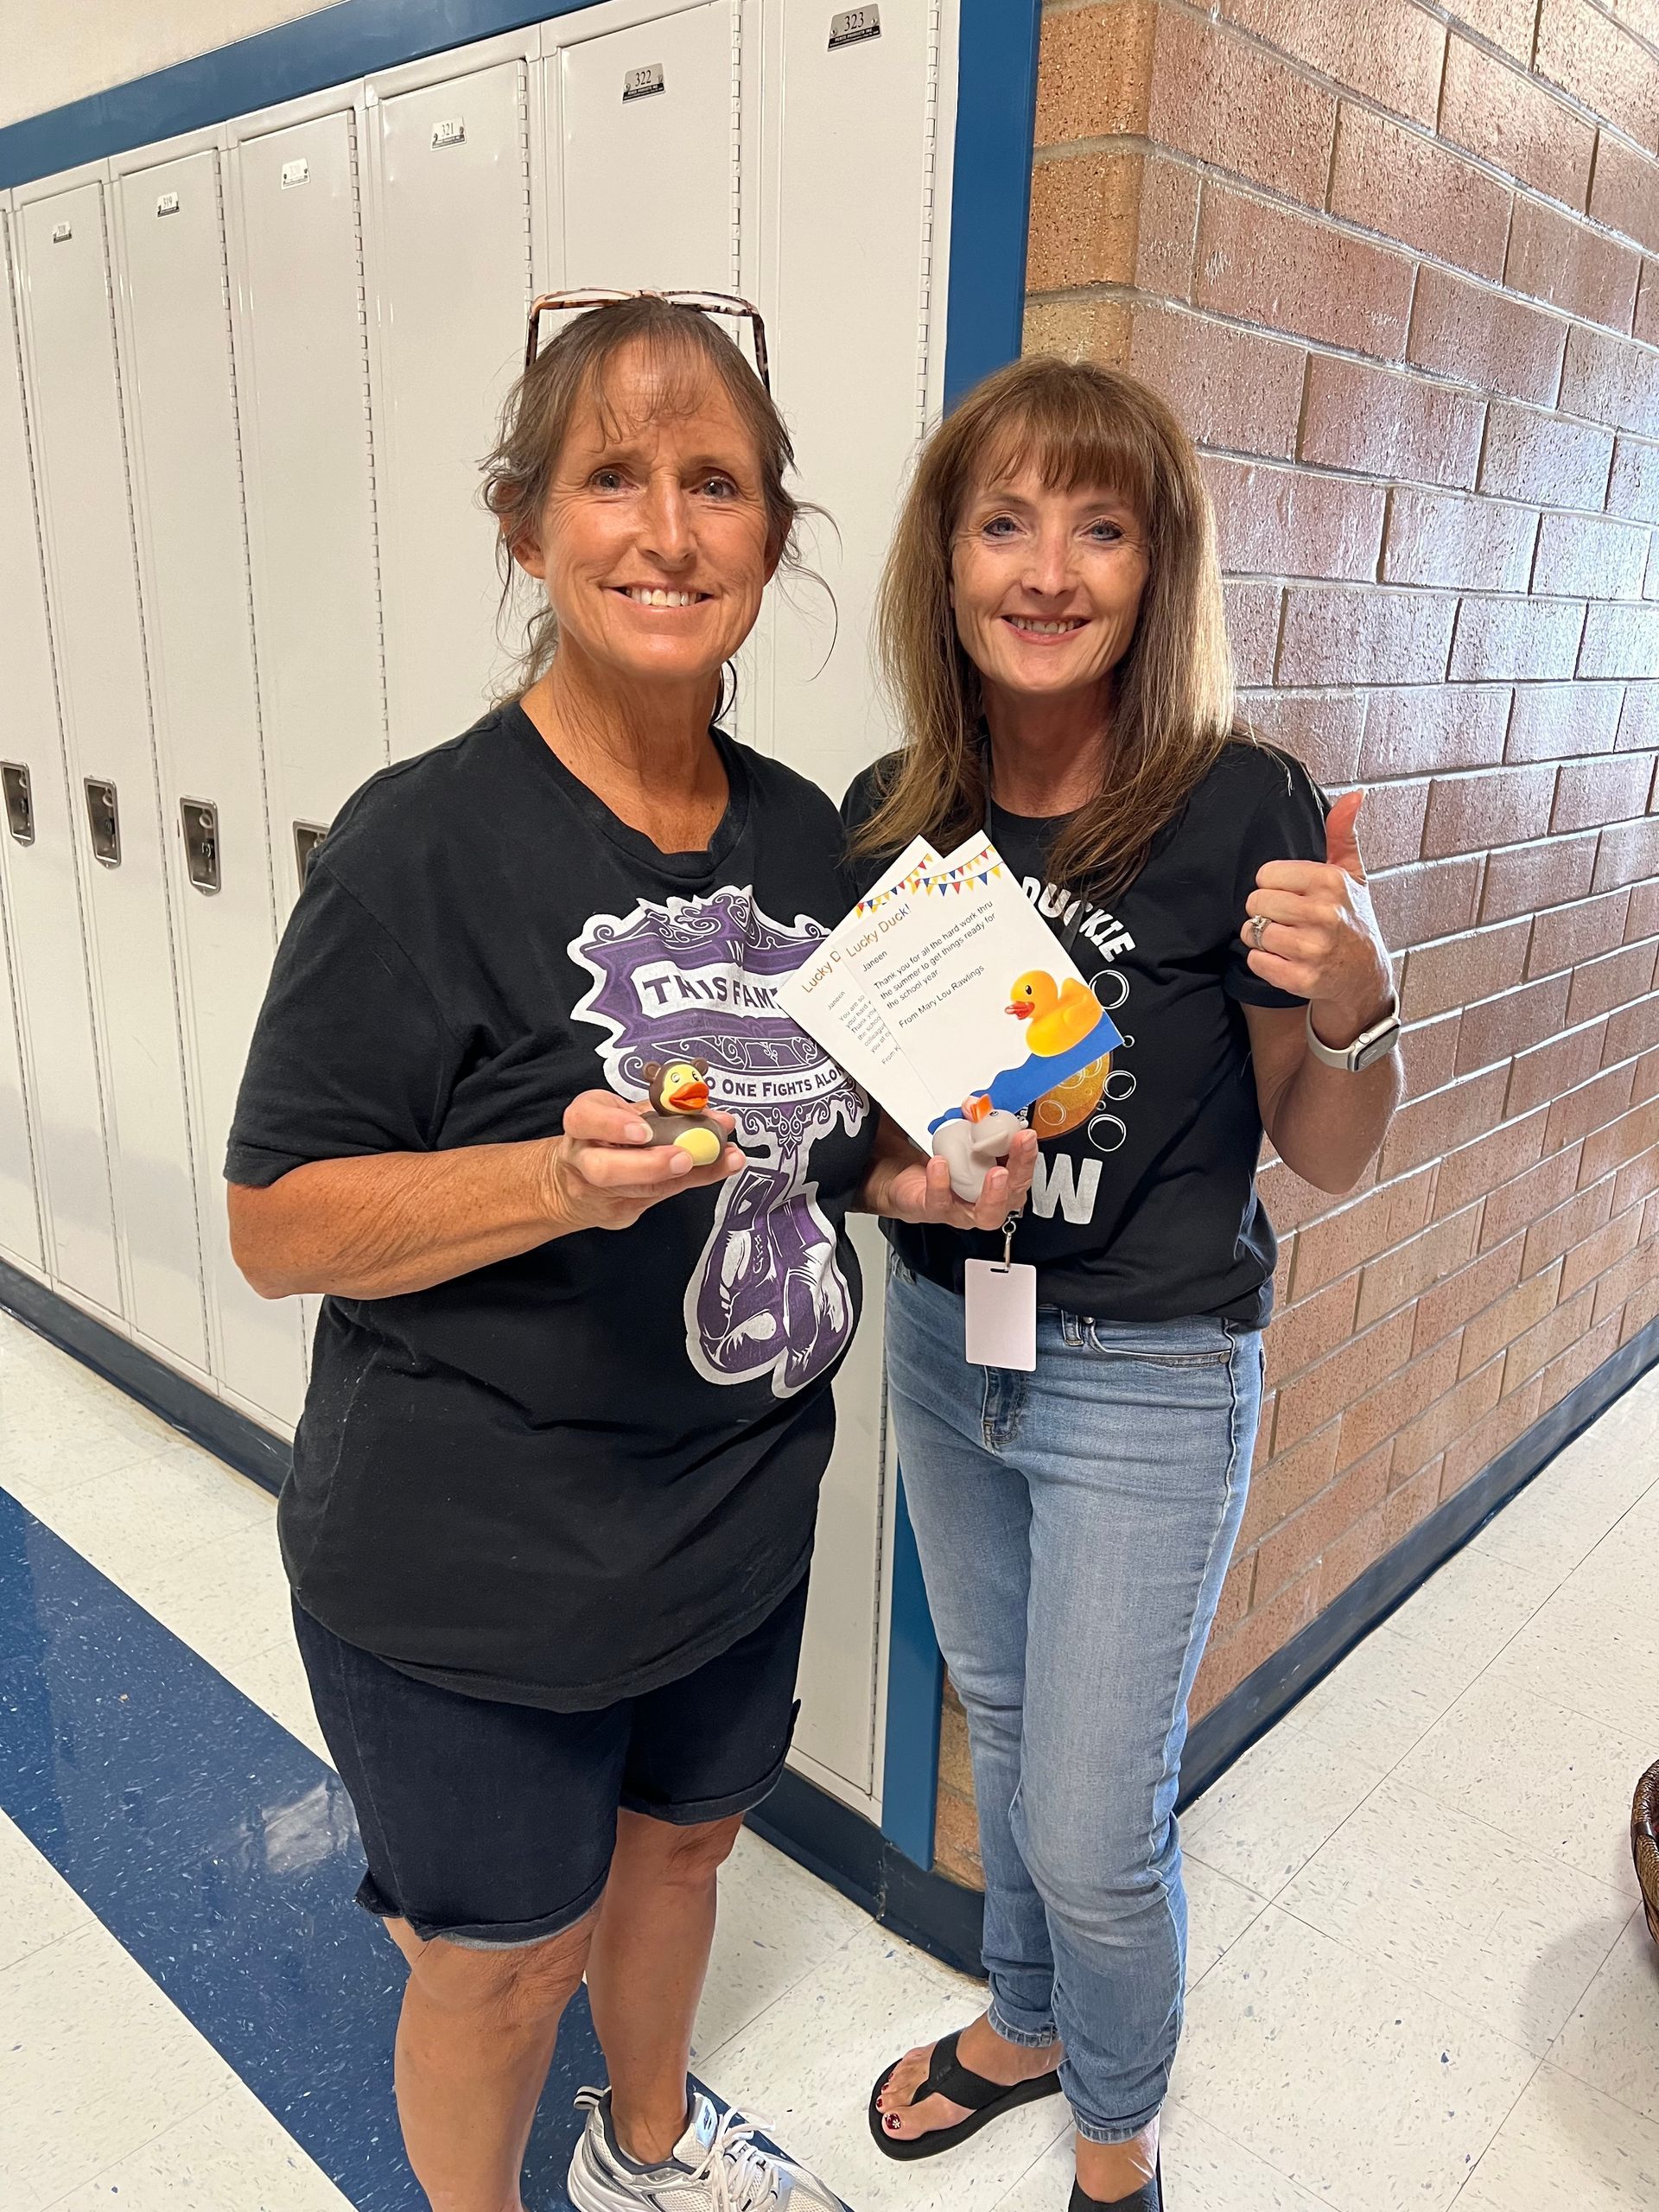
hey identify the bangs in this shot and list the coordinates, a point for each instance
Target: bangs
(680, 368)
(1077, 440)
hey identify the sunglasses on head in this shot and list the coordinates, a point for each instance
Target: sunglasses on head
(726, 303)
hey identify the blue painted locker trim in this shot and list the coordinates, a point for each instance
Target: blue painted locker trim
(910, 1784)
(352, 39)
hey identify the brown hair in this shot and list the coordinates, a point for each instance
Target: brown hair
(1082, 426)
(687, 349)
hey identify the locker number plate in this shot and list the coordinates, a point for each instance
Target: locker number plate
(168, 204)
(296, 173)
(853, 26)
(641, 84)
(62, 233)
(451, 133)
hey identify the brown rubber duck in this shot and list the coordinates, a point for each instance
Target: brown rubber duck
(679, 1116)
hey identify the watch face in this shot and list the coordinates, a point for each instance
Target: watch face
(1368, 1055)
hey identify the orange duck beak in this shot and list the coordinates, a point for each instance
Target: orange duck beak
(689, 1098)
(1022, 1009)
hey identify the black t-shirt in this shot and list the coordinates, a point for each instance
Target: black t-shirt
(578, 1474)
(1144, 1206)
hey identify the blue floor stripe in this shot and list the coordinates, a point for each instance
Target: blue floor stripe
(222, 1854)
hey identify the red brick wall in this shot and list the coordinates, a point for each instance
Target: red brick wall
(1398, 267)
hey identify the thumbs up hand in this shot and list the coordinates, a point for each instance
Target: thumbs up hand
(1311, 932)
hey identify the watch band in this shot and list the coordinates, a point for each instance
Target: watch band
(1366, 1049)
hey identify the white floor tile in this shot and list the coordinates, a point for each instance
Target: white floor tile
(275, 1679)
(94, 2064)
(1341, 2077)
(1456, 1906)
(1472, 1607)
(1218, 1910)
(1592, 1645)
(1557, 1781)
(37, 1906)
(1275, 1806)
(1566, 1510)
(808, 2064)
(778, 1924)
(1566, 2149)
(1383, 1698)
(227, 1599)
(1612, 2042)
(231, 2153)
(155, 1512)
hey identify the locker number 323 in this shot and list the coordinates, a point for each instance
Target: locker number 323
(853, 25)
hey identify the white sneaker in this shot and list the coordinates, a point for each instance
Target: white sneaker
(716, 2166)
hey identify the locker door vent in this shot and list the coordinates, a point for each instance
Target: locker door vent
(103, 819)
(20, 805)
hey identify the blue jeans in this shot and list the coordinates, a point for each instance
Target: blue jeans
(1075, 1525)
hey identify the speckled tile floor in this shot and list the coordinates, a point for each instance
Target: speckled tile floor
(1419, 1975)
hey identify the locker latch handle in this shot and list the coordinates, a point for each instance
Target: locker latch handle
(20, 805)
(200, 818)
(103, 815)
(307, 841)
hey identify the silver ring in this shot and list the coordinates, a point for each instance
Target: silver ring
(1258, 930)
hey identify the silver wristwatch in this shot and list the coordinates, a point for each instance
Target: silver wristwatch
(1366, 1049)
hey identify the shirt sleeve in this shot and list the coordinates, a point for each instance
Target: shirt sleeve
(350, 1054)
(1287, 824)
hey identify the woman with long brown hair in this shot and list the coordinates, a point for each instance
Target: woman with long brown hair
(1051, 626)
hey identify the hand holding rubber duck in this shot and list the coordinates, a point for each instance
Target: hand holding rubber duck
(1312, 931)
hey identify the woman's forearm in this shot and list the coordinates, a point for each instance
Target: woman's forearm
(1326, 1124)
(396, 1222)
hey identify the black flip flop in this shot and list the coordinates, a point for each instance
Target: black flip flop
(1149, 2197)
(986, 2100)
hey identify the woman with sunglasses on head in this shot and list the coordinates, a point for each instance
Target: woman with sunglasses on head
(522, 1109)
(1051, 622)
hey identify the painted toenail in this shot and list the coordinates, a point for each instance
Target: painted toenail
(892, 2123)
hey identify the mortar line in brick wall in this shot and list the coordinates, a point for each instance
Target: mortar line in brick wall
(1375, 107)
(1294, 465)
(1137, 142)
(1637, 37)
(1114, 294)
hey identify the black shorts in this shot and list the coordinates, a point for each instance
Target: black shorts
(493, 1825)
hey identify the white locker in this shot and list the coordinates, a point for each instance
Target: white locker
(20, 1220)
(307, 433)
(849, 262)
(648, 132)
(76, 405)
(182, 417)
(454, 199)
(37, 869)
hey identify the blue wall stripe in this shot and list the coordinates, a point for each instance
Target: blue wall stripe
(996, 111)
(352, 39)
(222, 1854)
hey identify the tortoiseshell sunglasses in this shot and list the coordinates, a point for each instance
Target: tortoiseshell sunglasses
(702, 303)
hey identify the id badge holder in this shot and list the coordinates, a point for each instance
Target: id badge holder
(999, 1300)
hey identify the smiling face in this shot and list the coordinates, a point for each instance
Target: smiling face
(1046, 583)
(653, 541)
